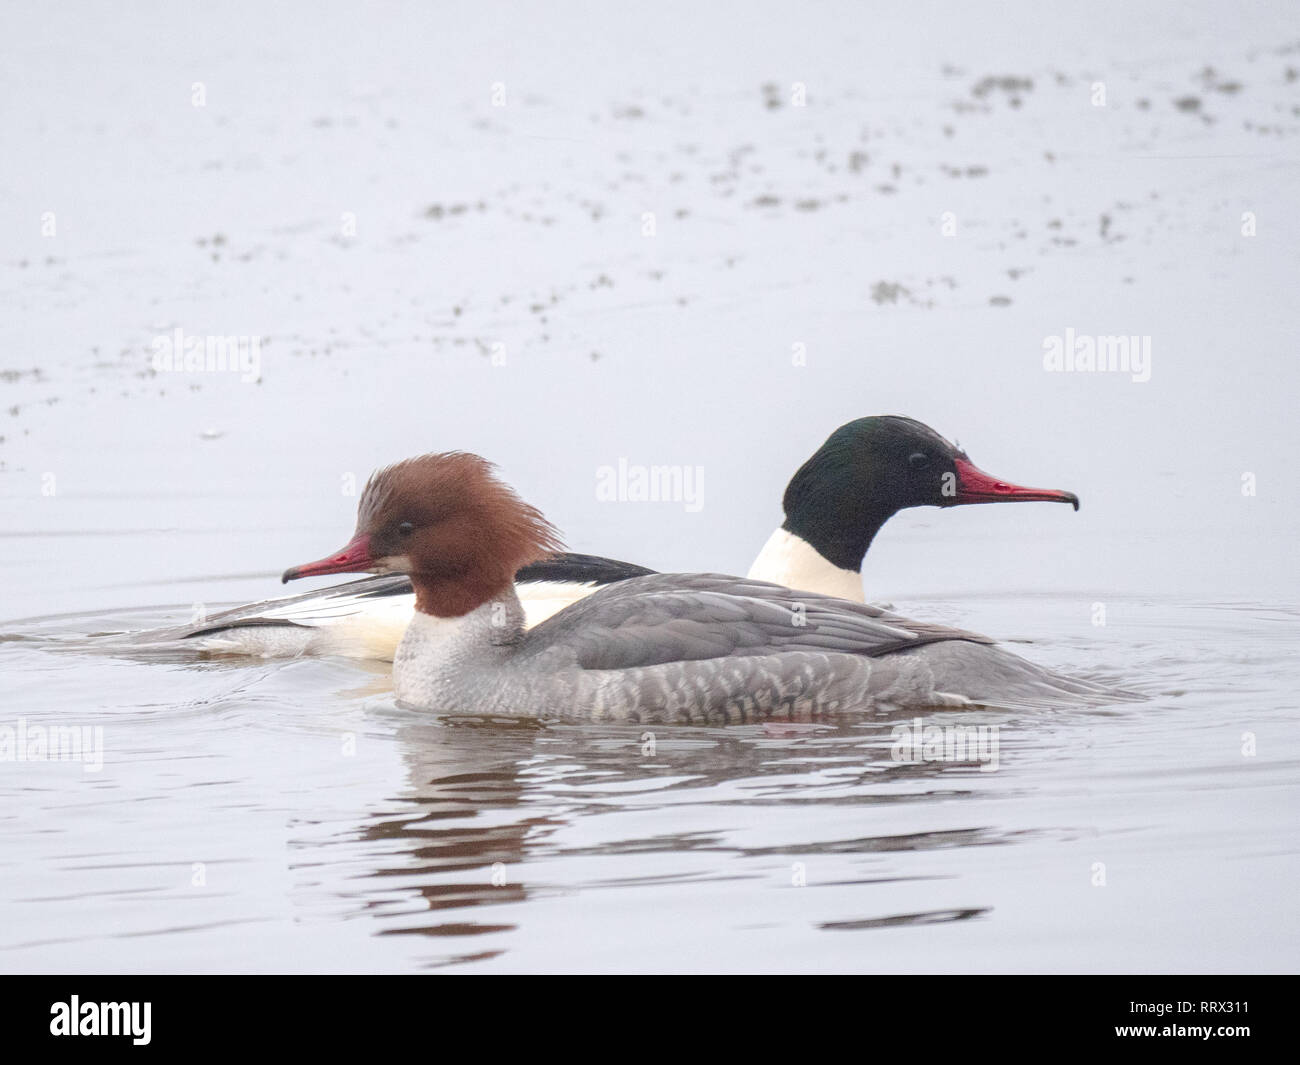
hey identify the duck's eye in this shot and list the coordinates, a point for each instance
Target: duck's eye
(918, 460)
(405, 529)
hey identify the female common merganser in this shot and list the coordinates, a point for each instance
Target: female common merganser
(671, 648)
(865, 472)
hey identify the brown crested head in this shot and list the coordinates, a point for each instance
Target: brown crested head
(448, 521)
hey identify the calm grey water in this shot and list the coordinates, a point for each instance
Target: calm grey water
(426, 269)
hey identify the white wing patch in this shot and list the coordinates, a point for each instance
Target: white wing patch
(368, 627)
(542, 599)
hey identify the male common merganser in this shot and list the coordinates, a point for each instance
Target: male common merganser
(865, 472)
(671, 648)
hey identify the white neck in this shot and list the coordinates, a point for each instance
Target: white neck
(448, 662)
(791, 560)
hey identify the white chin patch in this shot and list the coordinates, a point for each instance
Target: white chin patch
(392, 564)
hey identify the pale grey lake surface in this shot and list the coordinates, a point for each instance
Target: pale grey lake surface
(668, 237)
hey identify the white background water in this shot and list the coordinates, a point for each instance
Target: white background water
(129, 498)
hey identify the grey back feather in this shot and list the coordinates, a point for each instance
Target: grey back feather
(692, 617)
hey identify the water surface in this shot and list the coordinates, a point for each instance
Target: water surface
(429, 270)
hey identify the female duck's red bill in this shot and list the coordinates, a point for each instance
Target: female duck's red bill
(976, 486)
(355, 558)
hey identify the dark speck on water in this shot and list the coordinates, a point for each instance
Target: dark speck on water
(888, 292)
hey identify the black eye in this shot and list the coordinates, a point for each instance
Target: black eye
(918, 460)
(405, 529)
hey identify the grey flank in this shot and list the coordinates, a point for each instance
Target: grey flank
(696, 649)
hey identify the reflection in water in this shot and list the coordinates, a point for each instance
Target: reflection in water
(488, 802)
(935, 917)
(460, 777)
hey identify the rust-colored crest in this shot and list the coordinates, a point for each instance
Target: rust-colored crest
(460, 531)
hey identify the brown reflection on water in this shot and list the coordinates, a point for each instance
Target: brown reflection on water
(459, 776)
(485, 798)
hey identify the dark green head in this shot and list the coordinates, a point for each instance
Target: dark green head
(871, 468)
